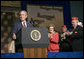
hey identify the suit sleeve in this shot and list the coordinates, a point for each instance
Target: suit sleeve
(77, 34)
(67, 38)
(14, 30)
(55, 38)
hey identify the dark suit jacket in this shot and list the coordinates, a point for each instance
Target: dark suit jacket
(18, 26)
(16, 29)
(77, 39)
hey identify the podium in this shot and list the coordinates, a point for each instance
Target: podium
(34, 42)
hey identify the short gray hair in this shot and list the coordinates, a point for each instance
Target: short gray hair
(24, 11)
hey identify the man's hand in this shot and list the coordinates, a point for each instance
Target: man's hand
(68, 33)
(62, 36)
(14, 36)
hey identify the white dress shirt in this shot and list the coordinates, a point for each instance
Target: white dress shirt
(25, 23)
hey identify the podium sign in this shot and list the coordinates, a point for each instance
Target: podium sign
(35, 42)
(35, 37)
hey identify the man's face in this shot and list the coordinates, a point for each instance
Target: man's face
(23, 16)
(74, 23)
(64, 29)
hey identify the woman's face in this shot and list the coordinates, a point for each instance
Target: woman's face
(51, 29)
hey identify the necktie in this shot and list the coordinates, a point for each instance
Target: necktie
(24, 25)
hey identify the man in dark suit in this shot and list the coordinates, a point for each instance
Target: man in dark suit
(76, 35)
(65, 40)
(17, 27)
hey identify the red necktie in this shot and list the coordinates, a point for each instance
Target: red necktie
(24, 25)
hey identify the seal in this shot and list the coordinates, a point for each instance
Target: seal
(35, 35)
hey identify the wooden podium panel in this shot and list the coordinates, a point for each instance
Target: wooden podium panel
(36, 52)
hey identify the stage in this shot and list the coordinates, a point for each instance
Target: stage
(49, 55)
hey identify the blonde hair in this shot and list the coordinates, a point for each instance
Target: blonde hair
(51, 25)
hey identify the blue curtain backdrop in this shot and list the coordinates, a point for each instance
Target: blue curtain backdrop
(65, 4)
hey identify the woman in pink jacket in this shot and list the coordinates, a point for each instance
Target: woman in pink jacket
(53, 39)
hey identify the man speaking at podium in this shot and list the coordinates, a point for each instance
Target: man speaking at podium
(17, 26)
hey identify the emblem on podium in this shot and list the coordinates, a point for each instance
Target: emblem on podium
(35, 35)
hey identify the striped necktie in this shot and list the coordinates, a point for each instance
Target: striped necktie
(24, 25)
